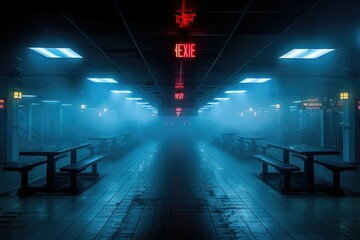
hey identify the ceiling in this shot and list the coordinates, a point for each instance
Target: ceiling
(133, 42)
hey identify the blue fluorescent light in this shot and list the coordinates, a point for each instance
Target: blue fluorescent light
(208, 106)
(56, 52)
(222, 98)
(255, 80)
(235, 91)
(28, 96)
(142, 103)
(306, 53)
(102, 80)
(121, 91)
(66, 104)
(50, 101)
(133, 98)
(213, 103)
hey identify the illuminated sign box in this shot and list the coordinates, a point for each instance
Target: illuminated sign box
(186, 50)
(2, 103)
(312, 104)
(172, 112)
(179, 96)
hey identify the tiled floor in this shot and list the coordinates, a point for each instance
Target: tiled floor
(182, 189)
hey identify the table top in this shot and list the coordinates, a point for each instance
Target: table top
(103, 138)
(228, 133)
(305, 150)
(53, 150)
(253, 138)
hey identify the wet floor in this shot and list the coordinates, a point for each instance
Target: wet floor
(179, 189)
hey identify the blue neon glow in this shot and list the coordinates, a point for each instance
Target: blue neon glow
(133, 98)
(255, 80)
(306, 53)
(102, 80)
(235, 91)
(213, 103)
(222, 99)
(50, 101)
(56, 52)
(28, 96)
(142, 103)
(121, 91)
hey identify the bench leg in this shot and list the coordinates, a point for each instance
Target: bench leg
(91, 152)
(24, 189)
(336, 182)
(94, 170)
(73, 182)
(264, 169)
(287, 181)
(264, 151)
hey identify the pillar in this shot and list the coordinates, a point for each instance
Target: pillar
(349, 127)
(9, 150)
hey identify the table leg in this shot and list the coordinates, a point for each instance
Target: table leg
(286, 156)
(310, 171)
(50, 173)
(73, 156)
(102, 147)
(113, 144)
(253, 147)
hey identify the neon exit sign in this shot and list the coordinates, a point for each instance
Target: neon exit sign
(185, 50)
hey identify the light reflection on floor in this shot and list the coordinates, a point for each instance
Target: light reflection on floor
(180, 189)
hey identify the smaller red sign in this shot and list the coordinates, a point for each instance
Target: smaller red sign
(185, 50)
(179, 96)
(2, 103)
(179, 85)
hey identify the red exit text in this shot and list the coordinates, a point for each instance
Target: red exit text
(185, 50)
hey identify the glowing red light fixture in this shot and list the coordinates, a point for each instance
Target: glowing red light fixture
(184, 17)
(179, 85)
(179, 96)
(185, 50)
(178, 111)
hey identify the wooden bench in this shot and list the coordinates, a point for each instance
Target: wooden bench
(80, 166)
(24, 168)
(216, 140)
(279, 166)
(263, 148)
(334, 166)
(92, 149)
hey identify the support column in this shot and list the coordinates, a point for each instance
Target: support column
(323, 128)
(349, 130)
(30, 124)
(9, 150)
(284, 122)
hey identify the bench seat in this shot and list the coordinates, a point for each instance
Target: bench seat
(280, 166)
(80, 166)
(334, 166)
(24, 168)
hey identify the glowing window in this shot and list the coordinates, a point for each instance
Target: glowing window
(17, 95)
(344, 95)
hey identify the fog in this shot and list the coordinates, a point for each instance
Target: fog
(65, 113)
